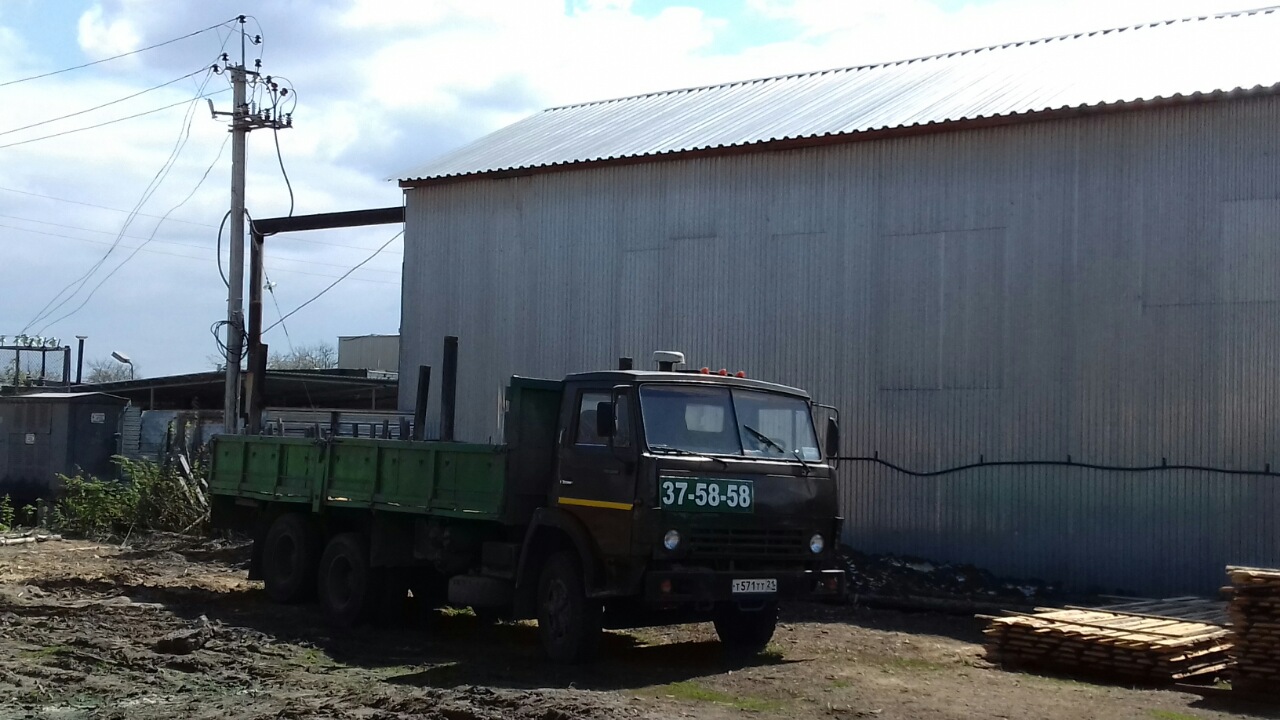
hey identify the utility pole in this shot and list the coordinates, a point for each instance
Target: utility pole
(235, 288)
(244, 118)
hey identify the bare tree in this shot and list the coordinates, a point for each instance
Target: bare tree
(105, 370)
(319, 356)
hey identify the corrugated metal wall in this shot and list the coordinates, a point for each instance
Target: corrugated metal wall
(369, 352)
(1106, 288)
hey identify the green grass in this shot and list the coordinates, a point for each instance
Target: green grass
(690, 691)
(1170, 715)
(841, 684)
(310, 658)
(47, 652)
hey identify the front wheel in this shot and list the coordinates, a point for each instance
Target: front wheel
(569, 623)
(745, 632)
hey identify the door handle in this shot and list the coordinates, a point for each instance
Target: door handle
(565, 482)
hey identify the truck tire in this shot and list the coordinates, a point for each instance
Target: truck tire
(289, 559)
(346, 584)
(569, 623)
(745, 632)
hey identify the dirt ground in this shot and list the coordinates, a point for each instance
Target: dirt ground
(170, 628)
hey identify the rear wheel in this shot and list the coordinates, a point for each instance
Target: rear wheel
(289, 559)
(569, 623)
(745, 632)
(346, 583)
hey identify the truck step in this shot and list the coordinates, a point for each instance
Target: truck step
(480, 591)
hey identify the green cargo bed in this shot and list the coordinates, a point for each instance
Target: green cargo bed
(429, 478)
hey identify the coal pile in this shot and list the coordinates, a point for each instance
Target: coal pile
(903, 576)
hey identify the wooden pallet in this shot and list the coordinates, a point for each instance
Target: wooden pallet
(1255, 624)
(1129, 646)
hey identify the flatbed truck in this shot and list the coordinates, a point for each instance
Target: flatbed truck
(619, 499)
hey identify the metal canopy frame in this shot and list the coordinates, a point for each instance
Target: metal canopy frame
(255, 377)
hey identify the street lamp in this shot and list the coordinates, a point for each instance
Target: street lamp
(122, 358)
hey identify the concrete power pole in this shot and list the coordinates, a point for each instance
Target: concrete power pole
(235, 289)
(244, 118)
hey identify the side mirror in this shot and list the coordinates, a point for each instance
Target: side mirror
(833, 438)
(606, 423)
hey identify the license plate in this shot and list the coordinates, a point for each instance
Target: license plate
(690, 494)
(755, 585)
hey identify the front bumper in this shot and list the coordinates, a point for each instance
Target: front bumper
(698, 585)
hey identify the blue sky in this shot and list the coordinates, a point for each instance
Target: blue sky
(382, 86)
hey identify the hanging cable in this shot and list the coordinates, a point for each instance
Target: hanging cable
(108, 122)
(318, 295)
(139, 248)
(151, 188)
(1267, 472)
(117, 57)
(103, 105)
(99, 207)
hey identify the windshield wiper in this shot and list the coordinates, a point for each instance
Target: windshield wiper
(668, 450)
(775, 444)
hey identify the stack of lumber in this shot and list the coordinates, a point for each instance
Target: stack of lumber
(1255, 623)
(1109, 644)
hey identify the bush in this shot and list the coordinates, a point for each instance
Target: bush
(7, 514)
(150, 496)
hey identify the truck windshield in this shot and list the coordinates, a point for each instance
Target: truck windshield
(724, 421)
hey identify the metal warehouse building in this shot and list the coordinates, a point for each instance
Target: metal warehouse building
(1065, 248)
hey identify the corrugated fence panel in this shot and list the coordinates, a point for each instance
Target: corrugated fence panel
(1103, 288)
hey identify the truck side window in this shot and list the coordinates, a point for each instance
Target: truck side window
(587, 418)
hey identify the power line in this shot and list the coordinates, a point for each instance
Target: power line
(205, 258)
(203, 248)
(117, 57)
(131, 255)
(99, 207)
(99, 107)
(112, 122)
(335, 282)
(293, 237)
(150, 190)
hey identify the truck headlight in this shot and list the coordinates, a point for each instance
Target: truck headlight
(671, 540)
(816, 544)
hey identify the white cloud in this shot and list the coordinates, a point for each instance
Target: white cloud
(100, 37)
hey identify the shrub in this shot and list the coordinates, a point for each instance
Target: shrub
(150, 496)
(7, 514)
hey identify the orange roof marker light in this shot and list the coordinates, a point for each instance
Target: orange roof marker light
(723, 372)
(740, 374)
(705, 371)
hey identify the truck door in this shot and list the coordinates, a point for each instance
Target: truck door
(595, 484)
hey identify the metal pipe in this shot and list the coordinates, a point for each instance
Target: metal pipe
(448, 387)
(80, 359)
(420, 408)
(66, 365)
(257, 351)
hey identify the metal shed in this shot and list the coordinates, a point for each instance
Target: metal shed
(1061, 249)
(43, 435)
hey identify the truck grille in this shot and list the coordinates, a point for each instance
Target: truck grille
(747, 543)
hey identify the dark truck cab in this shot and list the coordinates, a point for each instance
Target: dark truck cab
(706, 496)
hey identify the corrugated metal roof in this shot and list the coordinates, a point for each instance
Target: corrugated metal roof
(1167, 60)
